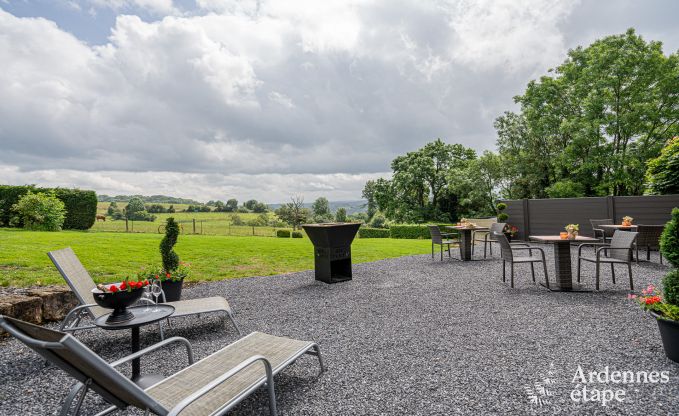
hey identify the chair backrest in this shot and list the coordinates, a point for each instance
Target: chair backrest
(496, 228)
(78, 279)
(596, 223)
(649, 235)
(435, 232)
(81, 363)
(622, 240)
(505, 247)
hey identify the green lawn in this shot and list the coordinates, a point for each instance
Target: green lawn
(108, 256)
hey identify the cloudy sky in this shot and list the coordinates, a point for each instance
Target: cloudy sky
(211, 99)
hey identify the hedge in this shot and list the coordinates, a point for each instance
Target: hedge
(412, 231)
(283, 233)
(81, 206)
(297, 234)
(366, 232)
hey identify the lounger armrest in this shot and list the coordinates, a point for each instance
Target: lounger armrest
(73, 313)
(219, 380)
(189, 350)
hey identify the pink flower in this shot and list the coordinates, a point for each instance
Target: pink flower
(631, 296)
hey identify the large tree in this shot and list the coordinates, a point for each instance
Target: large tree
(595, 122)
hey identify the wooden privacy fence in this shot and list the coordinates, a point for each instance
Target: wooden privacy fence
(550, 216)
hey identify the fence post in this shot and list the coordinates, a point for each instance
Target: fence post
(201, 227)
(127, 230)
(526, 220)
(253, 230)
(610, 208)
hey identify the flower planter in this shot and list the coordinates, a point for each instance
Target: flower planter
(509, 237)
(669, 333)
(118, 301)
(173, 290)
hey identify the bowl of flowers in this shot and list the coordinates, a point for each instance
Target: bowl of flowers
(572, 230)
(627, 221)
(118, 296)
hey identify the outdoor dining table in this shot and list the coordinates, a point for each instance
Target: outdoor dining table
(563, 281)
(466, 239)
(618, 227)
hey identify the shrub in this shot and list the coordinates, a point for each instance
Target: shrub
(670, 285)
(378, 221)
(283, 233)
(341, 215)
(366, 232)
(501, 206)
(409, 231)
(169, 257)
(669, 241)
(565, 189)
(81, 206)
(663, 172)
(297, 234)
(237, 220)
(39, 211)
(502, 217)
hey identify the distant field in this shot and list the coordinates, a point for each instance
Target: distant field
(109, 256)
(216, 223)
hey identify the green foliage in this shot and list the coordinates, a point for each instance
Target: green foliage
(669, 240)
(475, 185)
(595, 120)
(237, 220)
(321, 210)
(112, 207)
(366, 232)
(565, 189)
(255, 206)
(379, 221)
(666, 310)
(261, 220)
(39, 211)
(501, 206)
(670, 285)
(294, 213)
(156, 209)
(81, 206)
(170, 209)
(169, 258)
(502, 217)
(231, 205)
(297, 234)
(283, 233)
(341, 215)
(663, 172)
(409, 231)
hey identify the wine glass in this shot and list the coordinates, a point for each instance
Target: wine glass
(146, 298)
(156, 291)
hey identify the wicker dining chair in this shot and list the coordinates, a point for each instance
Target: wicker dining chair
(649, 237)
(437, 237)
(509, 257)
(601, 233)
(618, 251)
(489, 237)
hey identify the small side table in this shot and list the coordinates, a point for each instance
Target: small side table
(143, 315)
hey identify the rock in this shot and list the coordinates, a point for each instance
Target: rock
(26, 308)
(56, 302)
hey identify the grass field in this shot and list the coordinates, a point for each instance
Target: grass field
(215, 223)
(109, 256)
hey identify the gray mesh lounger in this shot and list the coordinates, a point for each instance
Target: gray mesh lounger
(81, 283)
(211, 386)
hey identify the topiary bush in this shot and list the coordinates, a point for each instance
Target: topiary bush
(283, 233)
(367, 232)
(169, 257)
(669, 241)
(297, 234)
(501, 216)
(39, 211)
(670, 285)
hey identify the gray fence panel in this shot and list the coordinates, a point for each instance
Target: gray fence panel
(550, 216)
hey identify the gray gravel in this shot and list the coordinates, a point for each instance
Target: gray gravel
(407, 336)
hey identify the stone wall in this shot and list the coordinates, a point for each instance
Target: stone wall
(38, 304)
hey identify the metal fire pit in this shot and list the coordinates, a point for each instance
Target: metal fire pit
(332, 249)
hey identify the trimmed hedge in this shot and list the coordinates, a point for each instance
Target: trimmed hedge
(283, 233)
(297, 234)
(81, 206)
(367, 232)
(412, 231)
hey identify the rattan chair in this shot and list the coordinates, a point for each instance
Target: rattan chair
(649, 237)
(81, 283)
(618, 251)
(488, 237)
(508, 256)
(437, 237)
(601, 233)
(211, 386)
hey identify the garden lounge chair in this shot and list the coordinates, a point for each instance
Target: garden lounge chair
(508, 256)
(618, 251)
(437, 237)
(601, 233)
(210, 386)
(81, 283)
(649, 237)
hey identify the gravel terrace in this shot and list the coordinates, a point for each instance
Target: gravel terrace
(407, 336)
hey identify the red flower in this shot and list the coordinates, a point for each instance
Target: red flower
(168, 275)
(123, 286)
(146, 282)
(652, 300)
(113, 288)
